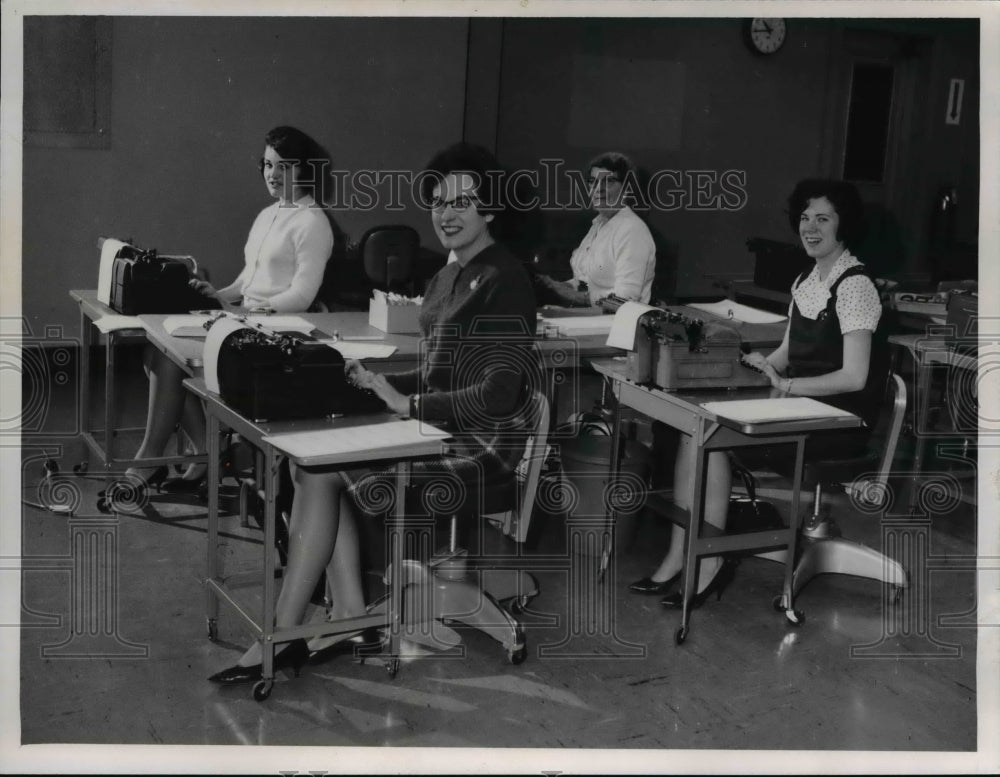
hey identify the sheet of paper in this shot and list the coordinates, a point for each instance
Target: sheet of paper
(104, 273)
(213, 343)
(777, 409)
(187, 325)
(340, 444)
(113, 323)
(580, 325)
(622, 333)
(283, 323)
(738, 312)
(361, 350)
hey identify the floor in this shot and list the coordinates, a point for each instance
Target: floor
(603, 670)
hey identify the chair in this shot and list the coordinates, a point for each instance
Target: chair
(823, 550)
(446, 589)
(389, 256)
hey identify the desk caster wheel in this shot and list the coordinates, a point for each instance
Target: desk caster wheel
(262, 690)
(795, 617)
(518, 605)
(103, 505)
(81, 468)
(50, 467)
(778, 603)
(213, 629)
(680, 635)
(517, 653)
(391, 667)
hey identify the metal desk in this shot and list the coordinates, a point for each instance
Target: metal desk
(685, 411)
(91, 309)
(219, 588)
(928, 351)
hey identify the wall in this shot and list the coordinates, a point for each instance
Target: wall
(191, 101)
(717, 107)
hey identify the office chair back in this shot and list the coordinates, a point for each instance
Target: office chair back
(389, 256)
(515, 521)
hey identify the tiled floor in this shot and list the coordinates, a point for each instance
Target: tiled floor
(602, 671)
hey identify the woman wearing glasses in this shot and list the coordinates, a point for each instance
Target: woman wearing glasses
(618, 255)
(285, 258)
(476, 378)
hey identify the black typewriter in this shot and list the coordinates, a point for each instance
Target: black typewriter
(142, 281)
(274, 376)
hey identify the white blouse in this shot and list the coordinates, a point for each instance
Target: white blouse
(858, 302)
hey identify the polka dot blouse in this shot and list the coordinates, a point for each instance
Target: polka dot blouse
(858, 303)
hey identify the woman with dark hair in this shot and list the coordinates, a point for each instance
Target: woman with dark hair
(826, 352)
(476, 377)
(285, 257)
(617, 256)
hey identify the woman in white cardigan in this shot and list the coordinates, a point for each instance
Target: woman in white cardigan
(285, 257)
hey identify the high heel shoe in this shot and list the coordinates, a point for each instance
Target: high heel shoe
(368, 642)
(723, 577)
(294, 655)
(130, 491)
(182, 485)
(649, 586)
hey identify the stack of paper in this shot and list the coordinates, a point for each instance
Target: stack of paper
(580, 325)
(355, 444)
(737, 312)
(777, 409)
(112, 323)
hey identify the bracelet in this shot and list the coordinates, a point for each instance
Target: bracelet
(785, 385)
(414, 405)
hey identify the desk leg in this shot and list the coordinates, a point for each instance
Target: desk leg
(920, 425)
(608, 535)
(110, 415)
(86, 341)
(693, 533)
(395, 616)
(212, 600)
(267, 620)
(787, 600)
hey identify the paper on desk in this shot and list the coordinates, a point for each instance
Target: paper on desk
(109, 250)
(580, 325)
(364, 350)
(391, 438)
(213, 343)
(776, 409)
(742, 313)
(193, 324)
(622, 334)
(112, 323)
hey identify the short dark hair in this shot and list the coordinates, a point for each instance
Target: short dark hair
(296, 146)
(614, 162)
(842, 195)
(490, 180)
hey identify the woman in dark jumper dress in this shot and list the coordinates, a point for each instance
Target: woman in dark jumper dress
(476, 378)
(826, 352)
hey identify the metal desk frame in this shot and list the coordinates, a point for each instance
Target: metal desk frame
(218, 589)
(684, 411)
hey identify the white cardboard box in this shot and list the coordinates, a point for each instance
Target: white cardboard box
(394, 319)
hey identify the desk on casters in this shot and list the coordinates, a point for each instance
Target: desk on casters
(260, 434)
(91, 310)
(686, 412)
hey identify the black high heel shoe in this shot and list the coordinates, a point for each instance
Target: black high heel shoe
(649, 586)
(182, 485)
(723, 577)
(294, 655)
(130, 491)
(367, 642)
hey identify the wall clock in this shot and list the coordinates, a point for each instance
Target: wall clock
(765, 35)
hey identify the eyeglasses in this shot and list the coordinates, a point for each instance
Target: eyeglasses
(460, 204)
(601, 181)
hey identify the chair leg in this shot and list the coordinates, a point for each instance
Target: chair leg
(837, 556)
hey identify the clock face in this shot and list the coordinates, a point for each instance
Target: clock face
(766, 35)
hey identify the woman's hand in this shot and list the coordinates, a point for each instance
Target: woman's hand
(357, 374)
(203, 287)
(396, 402)
(758, 361)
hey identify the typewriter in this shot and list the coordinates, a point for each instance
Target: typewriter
(268, 375)
(144, 282)
(677, 351)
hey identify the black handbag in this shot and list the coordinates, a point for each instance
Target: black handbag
(748, 513)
